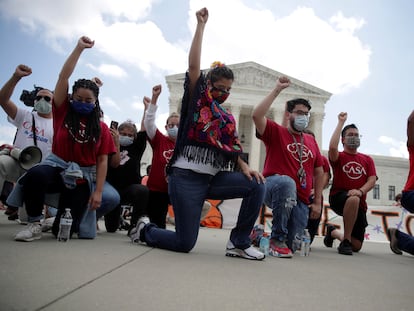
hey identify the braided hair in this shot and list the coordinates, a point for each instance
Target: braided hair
(72, 119)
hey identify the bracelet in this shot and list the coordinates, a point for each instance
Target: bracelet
(362, 192)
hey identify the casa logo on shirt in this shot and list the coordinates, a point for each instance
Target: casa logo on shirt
(354, 170)
(294, 150)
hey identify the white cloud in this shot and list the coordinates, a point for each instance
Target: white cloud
(109, 70)
(328, 54)
(7, 134)
(301, 44)
(396, 148)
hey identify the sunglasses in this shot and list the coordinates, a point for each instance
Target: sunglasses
(47, 98)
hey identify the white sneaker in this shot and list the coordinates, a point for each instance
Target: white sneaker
(47, 224)
(248, 253)
(136, 232)
(32, 232)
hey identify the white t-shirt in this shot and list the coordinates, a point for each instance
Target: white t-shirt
(24, 137)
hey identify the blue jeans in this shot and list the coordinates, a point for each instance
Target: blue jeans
(110, 200)
(188, 190)
(407, 200)
(405, 242)
(290, 215)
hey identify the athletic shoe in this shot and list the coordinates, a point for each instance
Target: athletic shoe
(345, 248)
(135, 233)
(279, 249)
(328, 239)
(32, 232)
(47, 224)
(392, 237)
(256, 234)
(247, 253)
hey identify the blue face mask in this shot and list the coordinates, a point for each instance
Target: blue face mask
(125, 140)
(82, 108)
(301, 123)
(172, 132)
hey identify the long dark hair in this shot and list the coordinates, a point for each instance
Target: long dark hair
(72, 119)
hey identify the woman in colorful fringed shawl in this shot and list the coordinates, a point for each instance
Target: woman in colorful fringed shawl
(207, 162)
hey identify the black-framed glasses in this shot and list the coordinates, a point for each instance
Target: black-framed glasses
(301, 113)
(47, 98)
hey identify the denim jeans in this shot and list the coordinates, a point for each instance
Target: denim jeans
(407, 200)
(405, 242)
(188, 190)
(290, 215)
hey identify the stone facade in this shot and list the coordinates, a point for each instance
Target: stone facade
(252, 83)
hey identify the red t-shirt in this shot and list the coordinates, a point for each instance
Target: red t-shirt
(283, 157)
(409, 185)
(162, 151)
(65, 147)
(351, 171)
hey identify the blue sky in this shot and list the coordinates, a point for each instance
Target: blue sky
(361, 51)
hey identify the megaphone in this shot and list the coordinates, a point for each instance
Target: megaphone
(27, 157)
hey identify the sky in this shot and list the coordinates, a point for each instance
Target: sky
(360, 51)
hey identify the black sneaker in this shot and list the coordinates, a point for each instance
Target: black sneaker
(392, 237)
(328, 239)
(345, 248)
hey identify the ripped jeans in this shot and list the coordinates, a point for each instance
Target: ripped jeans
(290, 215)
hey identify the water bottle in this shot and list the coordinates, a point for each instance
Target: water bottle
(64, 226)
(305, 243)
(264, 245)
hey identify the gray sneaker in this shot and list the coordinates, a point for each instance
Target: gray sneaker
(32, 232)
(136, 232)
(248, 253)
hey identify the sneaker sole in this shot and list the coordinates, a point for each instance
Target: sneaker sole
(277, 255)
(28, 239)
(240, 253)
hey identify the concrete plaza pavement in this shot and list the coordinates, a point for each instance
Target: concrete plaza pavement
(110, 273)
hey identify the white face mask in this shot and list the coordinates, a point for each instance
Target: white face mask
(42, 106)
(172, 132)
(125, 140)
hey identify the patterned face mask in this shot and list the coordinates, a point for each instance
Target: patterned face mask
(353, 142)
(219, 95)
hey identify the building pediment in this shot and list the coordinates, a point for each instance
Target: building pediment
(253, 76)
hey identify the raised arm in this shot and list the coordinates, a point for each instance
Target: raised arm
(333, 152)
(260, 110)
(151, 109)
(194, 56)
(62, 85)
(410, 130)
(7, 90)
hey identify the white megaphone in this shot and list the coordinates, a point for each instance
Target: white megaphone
(27, 157)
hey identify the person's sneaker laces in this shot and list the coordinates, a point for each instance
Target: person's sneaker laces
(247, 253)
(256, 234)
(345, 248)
(392, 237)
(279, 249)
(328, 239)
(135, 233)
(32, 232)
